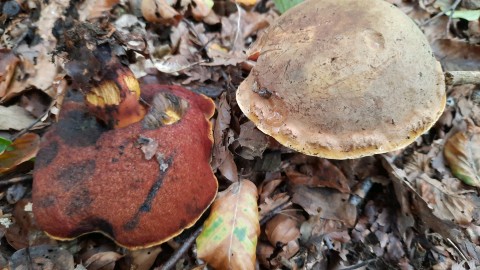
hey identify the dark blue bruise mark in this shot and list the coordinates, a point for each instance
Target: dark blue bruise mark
(147, 203)
(46, 155)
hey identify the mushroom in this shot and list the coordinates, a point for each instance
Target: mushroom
(343, 79)
(140, 184)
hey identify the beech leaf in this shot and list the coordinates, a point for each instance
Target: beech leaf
(229, 236)
(462, 153)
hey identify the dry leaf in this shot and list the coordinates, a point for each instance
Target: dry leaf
(91, 9)
(252, 141)
(282, 229)
(22, 149)
(222, 157)
(41, 257)
(446, 204)
(159, 11)
(8, 62)
(270, 204)
(326, 203)
(229, 236)
(14, 117)
(201, 8)
(285, 231)
(462, 153)
(35, 70)
(24, 232)
(143, 259)
(456, 54)
(103, 260)
(320, 174)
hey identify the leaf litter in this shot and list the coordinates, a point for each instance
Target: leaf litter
(415, 208)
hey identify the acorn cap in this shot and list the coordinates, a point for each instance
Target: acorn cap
(343, 79)
(140, 185)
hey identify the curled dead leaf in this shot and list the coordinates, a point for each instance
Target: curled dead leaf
(159, 11)
(462, 153)
(229, 236)
(285, 231)
(282, 229)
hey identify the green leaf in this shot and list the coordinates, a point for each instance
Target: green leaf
(5, 145)
(229, 236)
(284, 5)
(469, 15)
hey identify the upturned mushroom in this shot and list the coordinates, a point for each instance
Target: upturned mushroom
(141, 183)
(343, 79)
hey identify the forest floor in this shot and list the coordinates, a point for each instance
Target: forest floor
(400, 210)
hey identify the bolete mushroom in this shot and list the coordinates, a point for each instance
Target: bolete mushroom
(140, 184)
(343, 79)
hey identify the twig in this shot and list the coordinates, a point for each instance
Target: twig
(452, 10)
(359, 265)
(438, 15)
(274, 211)
(25, 130)
(462, 77)
(170, 263)
(457, 249)
(237, 32)
(15, 180)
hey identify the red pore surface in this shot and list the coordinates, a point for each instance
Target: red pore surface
(88, 178)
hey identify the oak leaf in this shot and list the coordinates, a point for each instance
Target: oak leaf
(229, 236)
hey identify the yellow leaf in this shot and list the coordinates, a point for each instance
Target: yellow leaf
(246, 2)
(229, 236)
(462, 153)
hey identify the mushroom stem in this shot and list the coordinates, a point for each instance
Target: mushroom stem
(115, 100)
(462, 77)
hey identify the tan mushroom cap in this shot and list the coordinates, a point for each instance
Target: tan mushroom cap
(343, 79)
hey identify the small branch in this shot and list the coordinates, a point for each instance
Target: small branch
(15, 180)
(462, 77)
(170, 263)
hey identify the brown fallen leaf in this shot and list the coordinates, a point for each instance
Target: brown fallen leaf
(462, 153)
(92, 9)
(222, 157)
(143, 259)
(446, 204)
(456, 54)
(320, 174)
(229, 236)
(103, 260)
(24, 232)
(35, 70)
(22, 149)
(252, 142)
(8, 62)
(284, 231)
(325, 203)
(159, 11)
(201, 8)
